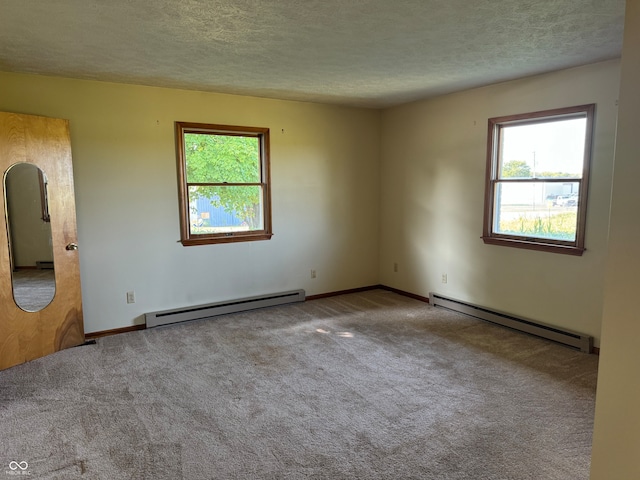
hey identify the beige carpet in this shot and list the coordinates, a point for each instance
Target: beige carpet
(363, 386)
(33, 289)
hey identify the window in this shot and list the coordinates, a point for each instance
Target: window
(223, 183)
(537, 179)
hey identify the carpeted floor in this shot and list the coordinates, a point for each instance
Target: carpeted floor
(33, 289)
(362, 386)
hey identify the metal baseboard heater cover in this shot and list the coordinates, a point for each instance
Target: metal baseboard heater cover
(197, 312)
(573, 339)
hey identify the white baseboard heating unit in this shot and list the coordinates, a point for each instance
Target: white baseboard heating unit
(573, 339)
(197, 312)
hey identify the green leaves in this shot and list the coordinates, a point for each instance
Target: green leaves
(215, 158)
(516, 169)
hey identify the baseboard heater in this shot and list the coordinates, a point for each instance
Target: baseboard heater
(197, 312)
(572, 339)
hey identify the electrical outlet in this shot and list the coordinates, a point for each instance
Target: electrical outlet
(313, 274)
(395, 267)
(444, 278)
(131, 297)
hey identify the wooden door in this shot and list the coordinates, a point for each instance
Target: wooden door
(27, 335)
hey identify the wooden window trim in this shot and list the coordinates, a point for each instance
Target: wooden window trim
(537, 243)
(186, 237)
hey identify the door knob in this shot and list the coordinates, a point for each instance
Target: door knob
(72, 246)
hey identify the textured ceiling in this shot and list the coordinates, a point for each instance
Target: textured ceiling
(373, 53)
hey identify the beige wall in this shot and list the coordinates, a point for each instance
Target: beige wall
(325, 174)
(433, 159)
(616, 440)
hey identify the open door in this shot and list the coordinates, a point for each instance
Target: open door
(41, 316)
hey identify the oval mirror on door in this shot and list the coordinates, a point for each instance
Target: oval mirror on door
(29, 233)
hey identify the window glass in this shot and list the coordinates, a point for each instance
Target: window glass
(213, 158)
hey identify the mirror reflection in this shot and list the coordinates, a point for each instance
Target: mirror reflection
(29, 232)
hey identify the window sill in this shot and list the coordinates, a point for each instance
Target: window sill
(210, 240)
(534, 245)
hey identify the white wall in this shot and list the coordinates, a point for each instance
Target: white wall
(616, 436)
(433, 160)
(325, 195)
